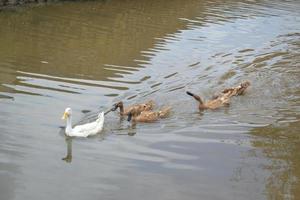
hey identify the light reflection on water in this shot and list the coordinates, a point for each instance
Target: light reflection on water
(88, 55)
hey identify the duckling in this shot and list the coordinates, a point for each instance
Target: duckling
(148, 116)
(235, 91)
(211, 104)
(137, 107)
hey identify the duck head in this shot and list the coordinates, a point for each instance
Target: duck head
(149, 105)
(67, 113)
(143, 107)
(117, 105)
(245, 84)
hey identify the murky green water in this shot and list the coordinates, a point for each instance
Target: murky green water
(88, 55)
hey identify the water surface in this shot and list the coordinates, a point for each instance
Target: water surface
(88, 55)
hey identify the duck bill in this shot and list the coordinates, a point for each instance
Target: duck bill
(65, 116)
(114, 108)
(129, 117)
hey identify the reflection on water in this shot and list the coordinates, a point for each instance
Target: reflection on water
(89, 55)
(282, 148)
(68, 157)
(130, 131)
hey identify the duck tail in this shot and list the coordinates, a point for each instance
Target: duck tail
(195, 97)
(100, 122)
(100, 116)
(164, 112)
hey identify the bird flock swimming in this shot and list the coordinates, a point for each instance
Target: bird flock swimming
(144, 112)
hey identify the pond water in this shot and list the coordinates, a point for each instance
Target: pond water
(90, 54)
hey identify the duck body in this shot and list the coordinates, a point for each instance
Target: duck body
(84, 130)
(222, 99)
(149, 105)
(148, 116)
(211, 104)
(215, 103)
(235, 91)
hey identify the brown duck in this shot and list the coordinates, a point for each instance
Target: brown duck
(235, 91)
(137, 107)
(222, 99)
(211, 104)
(148, 116)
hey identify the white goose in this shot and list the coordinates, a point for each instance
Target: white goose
(82, 130)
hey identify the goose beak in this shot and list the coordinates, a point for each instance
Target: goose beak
(65, 116)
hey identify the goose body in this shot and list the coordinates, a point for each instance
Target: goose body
(84, 130)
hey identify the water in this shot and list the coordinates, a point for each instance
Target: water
(88, 55)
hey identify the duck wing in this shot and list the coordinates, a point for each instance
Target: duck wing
(89, 129)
